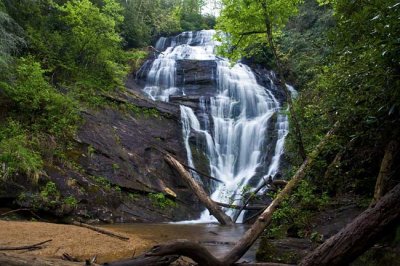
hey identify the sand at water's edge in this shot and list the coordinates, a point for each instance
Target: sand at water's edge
(76, 241)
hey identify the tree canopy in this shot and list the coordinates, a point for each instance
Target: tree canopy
(243, 24)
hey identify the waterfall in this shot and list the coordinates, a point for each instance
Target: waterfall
(234, 119)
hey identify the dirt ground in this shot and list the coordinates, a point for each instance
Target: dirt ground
(78, 242)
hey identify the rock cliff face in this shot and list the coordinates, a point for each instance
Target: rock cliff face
(123, 147)
(115, 169)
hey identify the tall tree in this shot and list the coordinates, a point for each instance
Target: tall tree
(247, 24)
(10, 37)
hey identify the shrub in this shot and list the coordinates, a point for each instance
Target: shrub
(159, 200)
(296, 211)
(41, 104)
(16, 154)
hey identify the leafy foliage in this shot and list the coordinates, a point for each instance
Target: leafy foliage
(10, 38)
(243, 24)
(41, 105)
(94, 52)
(358, 85)
(16, 154)
(146, 20)
(296, 212)
(161, 201)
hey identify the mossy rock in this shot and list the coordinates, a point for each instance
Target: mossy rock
(200, 160)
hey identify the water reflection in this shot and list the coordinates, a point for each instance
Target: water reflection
(217, 239)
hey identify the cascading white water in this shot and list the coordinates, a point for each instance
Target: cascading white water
(240, 111)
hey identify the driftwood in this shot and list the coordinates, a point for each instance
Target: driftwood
(359, 235)
(214, 209)
(100, 230)
(28, 247)
(382, 181)
(68, 257)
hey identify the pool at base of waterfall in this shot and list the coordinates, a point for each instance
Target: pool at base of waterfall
(217, 239)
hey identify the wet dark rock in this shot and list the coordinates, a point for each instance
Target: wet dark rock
(265, 77)
(195, 72)
(190, 101)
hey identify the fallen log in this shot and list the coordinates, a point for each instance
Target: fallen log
(262, 264)
(196, 252)
(252, 195)
(186, 248)
(164, 152)
(145, 260)
(27, 247)
(278, 183)
(359, 235)
(214, 209)
(242, 207)
(100, 230)
(201, 173)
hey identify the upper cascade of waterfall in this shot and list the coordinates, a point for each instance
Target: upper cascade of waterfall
(198, 45)
(235, 125)
(187, 45)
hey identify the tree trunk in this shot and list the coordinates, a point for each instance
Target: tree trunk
(214, 209)
(359, 235)
(381, 185)
(296, 125)
(144, 260)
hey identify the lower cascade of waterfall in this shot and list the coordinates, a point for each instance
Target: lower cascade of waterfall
(234, 123)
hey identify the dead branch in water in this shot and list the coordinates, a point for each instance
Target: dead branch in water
(237, 207)
(28, 247)
(101, 231)
(214, 209)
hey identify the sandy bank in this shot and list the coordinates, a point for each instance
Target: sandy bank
(79, 242)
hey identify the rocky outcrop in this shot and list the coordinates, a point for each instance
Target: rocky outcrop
(115, 171)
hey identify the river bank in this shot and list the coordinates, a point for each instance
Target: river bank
(78, 242)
